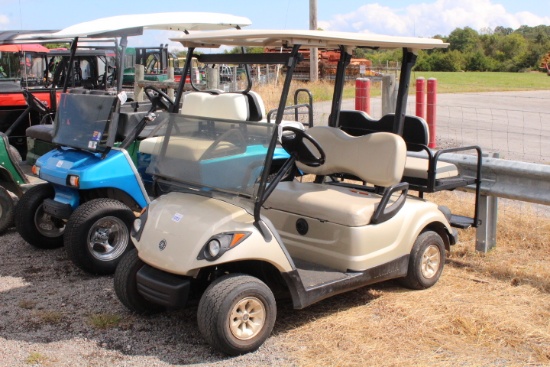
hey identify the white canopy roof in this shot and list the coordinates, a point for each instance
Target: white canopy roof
(134, 24)
(305, 38)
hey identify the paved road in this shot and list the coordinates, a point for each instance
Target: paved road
(514, 124)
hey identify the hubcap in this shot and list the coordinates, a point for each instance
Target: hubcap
(247, 318)
(46, 225)
(431, 260)
(108, 238)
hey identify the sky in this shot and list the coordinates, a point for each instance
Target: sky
(397, 17)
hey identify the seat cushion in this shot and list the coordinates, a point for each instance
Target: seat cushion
(336, 204)
(40, 132)
(417, 167)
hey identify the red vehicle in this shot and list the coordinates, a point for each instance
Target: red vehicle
(42, 72)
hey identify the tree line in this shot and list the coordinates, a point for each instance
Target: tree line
(499, 49)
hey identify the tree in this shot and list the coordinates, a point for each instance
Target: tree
(463, 39)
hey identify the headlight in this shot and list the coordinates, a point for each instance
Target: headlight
(73, 180)
(137, 225)
(214, 248)
(36, 170)
(219, 244)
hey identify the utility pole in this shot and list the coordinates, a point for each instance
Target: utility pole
(314, 57)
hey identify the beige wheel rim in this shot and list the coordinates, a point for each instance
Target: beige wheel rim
(247, 318)
(431, 260)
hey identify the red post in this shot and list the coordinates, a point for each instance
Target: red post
(420, 97)
(431, 110)
(362, 94)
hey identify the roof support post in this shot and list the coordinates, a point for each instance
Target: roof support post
(70, 66)
(409, 59)
(186, 69)
(123, 45)
(340, 80)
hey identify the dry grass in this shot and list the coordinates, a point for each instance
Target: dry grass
(487, 310)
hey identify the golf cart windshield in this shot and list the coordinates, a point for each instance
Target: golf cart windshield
(211, 155)
(83, 121)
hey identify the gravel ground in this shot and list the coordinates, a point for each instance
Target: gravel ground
(53, 314)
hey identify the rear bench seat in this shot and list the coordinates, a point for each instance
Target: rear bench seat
(424, 170)
(416, 135)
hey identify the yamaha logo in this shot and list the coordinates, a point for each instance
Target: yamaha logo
(162, 245)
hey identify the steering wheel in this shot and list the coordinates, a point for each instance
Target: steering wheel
(232, 140)
(295, 144)
(34, 103)
(158, 98)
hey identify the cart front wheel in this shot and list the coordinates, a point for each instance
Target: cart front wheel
(98, 234)
(236, 314)
(126, 288)
(35, 225)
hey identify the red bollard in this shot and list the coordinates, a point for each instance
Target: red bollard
(362, 94)
(420, 97)
(431, 110)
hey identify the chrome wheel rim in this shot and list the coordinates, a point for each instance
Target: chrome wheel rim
(431, 261)
(247, 318)
(45, 224)
(108, 238)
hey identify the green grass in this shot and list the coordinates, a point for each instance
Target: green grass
(35, 358)
(463, 82)
(447, 82)
(104, 321)
(469, 82)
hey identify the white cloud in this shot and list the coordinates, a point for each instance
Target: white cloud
(428, 19)
(4, 20)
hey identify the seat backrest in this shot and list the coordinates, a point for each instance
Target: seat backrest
(256, 106)
(377, 158)
(415, 129)
(228, 106)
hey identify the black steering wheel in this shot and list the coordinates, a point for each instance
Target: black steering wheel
(158, 98)
(294, 143)
(34, 103)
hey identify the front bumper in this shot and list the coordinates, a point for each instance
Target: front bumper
(165, 289)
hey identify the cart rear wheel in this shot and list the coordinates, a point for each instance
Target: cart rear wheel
(426, 261)
(126, 285)
(98, 234)
(33, 224)
(236, 314)
(7, 209)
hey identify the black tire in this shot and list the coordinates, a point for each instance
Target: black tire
(225, 296)
(7, 210)
(426, 261)
(98, 234)
(36, 227)
(126, 285)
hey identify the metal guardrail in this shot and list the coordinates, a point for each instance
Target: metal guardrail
(500, 178)
(503, 178)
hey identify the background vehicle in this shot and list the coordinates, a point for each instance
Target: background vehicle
(93, 182)
(240, 245)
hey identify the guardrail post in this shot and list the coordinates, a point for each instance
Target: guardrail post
(431, 110)
(420, 97)
(486, 233)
